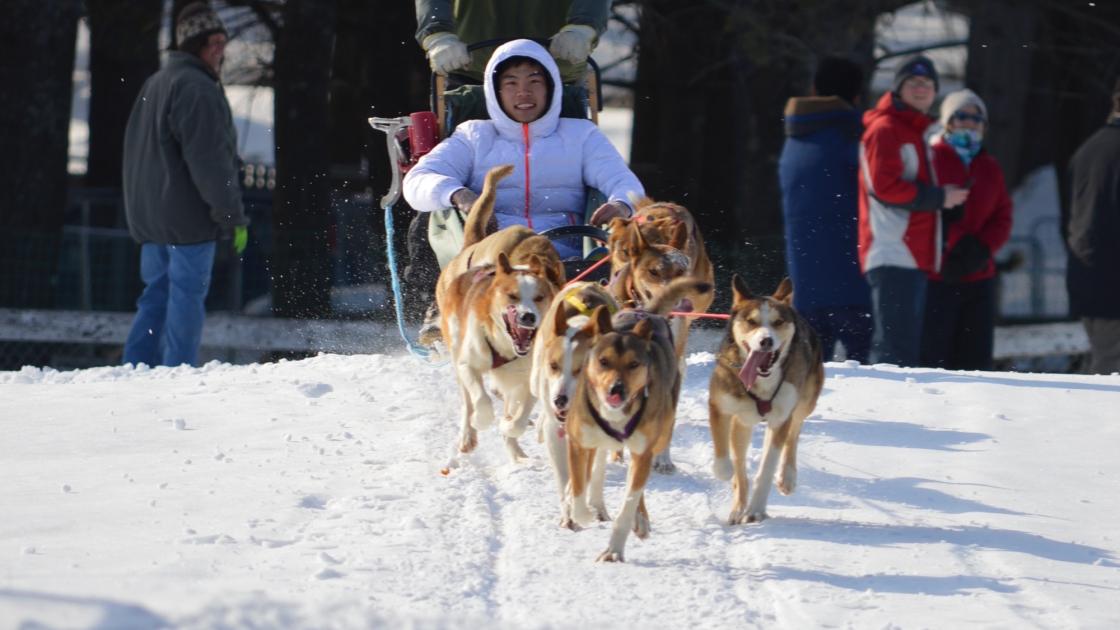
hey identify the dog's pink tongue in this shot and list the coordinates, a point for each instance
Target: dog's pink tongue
(614, 399)
(749, 372)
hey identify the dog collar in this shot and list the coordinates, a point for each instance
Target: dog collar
(627, 430)
(582, 306)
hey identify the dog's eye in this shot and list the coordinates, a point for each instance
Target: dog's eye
(778, 322)
(752, 321)
(576, 371)
(653, 271)
(602, 362)
(554, 366)
(633, 365)
(512, 297)
(538, 299)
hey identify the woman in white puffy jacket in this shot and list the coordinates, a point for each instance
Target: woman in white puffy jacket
(555, 159)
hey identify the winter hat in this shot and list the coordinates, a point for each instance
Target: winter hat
(917, 66)
(197, 19)
(956, 101)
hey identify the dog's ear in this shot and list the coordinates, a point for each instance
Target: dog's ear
(785, 291)
(635, 242)
(678, 238)
(643, 330)
(619, 237)
(536, 265)
(561, 320)
(503, 263)
(601, 318)
(555, 274)
(740, 291)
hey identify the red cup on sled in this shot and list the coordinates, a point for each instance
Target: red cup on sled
(423, 133)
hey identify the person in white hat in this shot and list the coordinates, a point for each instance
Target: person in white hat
(961, 296)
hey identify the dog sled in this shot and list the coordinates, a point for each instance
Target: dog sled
(408, 138)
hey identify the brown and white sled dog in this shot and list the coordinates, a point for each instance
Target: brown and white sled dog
(663, 223)
(626, 395)
(559, 353)
(659, 244)
(770, 371)
(489, 315)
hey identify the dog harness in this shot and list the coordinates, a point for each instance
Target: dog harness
(496, 358)
(627, 430)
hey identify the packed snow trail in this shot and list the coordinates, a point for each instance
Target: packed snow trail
(309, 493)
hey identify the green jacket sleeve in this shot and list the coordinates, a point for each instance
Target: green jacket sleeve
(433, 16)
(593, 13)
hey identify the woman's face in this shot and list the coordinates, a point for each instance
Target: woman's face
(967, 117)
(918, 92)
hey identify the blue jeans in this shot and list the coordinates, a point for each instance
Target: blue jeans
(898, 304)
(167, 329)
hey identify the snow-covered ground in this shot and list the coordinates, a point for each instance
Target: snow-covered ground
(309, 494)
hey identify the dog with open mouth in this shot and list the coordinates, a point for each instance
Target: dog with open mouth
(559, 353)
(492, 298)
(626, 396)
(490, 316)
(769, 371)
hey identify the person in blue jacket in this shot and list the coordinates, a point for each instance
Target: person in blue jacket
(818, 172)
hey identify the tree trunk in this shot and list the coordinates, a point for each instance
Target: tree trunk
(34, 125)
(124, 51)
(302, 221)
(1045, 72)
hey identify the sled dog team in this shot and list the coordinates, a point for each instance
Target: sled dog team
(607, 362)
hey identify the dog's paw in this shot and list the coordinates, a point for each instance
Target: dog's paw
(757, 517)
(610, 555)
(722, 468)
(601, 513)
(566, 522)
(663, 465)
(787, 480)
(516, 455)
(582, 514)
(641, 526)
(468, 441)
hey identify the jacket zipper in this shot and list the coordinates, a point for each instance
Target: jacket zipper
(525, 134)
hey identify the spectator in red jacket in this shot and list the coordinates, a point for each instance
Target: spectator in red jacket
(899, 231)
(961, 298)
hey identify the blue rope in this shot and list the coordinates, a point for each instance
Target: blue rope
(414, 348)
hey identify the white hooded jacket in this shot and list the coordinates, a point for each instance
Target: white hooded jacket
(554, 159)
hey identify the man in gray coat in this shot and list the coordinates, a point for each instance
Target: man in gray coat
(181, 190)
(1091, 229)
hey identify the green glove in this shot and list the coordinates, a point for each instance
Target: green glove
(240, 238)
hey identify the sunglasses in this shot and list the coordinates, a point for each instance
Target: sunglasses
(964, 117)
